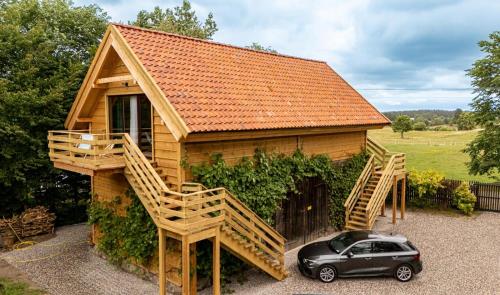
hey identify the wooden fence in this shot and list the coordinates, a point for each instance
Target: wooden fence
(487, 194)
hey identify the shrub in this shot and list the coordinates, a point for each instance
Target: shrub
(426, 183)
(463, 199)
(419, 126)
(444, 128)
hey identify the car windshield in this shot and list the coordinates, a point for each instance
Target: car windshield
(340, 242)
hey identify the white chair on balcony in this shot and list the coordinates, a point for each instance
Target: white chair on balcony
(85, 146)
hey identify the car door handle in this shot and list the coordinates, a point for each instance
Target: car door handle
(368, 258)
(395, 257)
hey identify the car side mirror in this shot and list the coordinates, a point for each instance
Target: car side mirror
(349, 254)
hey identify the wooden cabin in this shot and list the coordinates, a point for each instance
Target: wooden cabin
(152, 100)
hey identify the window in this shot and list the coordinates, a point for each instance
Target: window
(362, 248)
(385, 247)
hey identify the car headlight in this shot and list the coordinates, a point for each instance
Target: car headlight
(310, 262)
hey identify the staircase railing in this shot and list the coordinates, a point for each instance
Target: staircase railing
(193, 209)
(380, 192)
(248, 225)
(197, 208)
(357, 190)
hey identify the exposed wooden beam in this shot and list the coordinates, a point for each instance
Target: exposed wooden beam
(252, 134)
(161, 266)
(84, 120)
(73, 168)
(106, 80)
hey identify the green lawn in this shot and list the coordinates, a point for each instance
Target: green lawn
(437, 150)
(9, 287)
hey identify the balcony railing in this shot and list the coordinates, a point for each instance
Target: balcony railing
(86, 150)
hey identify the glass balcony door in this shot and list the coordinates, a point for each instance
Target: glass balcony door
(132, 114)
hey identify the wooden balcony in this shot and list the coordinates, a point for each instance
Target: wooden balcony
(84, 152)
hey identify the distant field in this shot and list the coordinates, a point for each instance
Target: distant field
(437, 150)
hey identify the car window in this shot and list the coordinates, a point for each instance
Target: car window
(385, 247)
(362, 248)
(339, 243)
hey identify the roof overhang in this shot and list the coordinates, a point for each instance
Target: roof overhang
(112, 39)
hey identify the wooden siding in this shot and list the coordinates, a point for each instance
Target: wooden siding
(166, 152)
(338, 146)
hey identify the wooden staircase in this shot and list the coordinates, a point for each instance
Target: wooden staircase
(198, 213)
(191, 214)
(372, 187)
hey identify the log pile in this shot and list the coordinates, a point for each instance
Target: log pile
(32, 222)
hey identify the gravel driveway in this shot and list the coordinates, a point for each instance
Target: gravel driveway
(67, 265)
(461, 255)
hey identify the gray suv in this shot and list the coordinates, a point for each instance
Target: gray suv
(360, 253)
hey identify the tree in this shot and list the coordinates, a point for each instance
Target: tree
(257, 46)
(465, 121)
(402, 124)
(45, 50)
(180, 20)
(457, 114)
(484, 150)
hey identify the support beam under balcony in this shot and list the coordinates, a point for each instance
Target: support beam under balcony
(73, 168)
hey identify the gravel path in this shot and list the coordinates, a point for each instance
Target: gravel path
(67, 264)
(461, 255)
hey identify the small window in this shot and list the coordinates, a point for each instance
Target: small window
(362, 248)
(385, 247)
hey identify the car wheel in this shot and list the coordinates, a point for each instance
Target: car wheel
(404, 273)
(327, 273)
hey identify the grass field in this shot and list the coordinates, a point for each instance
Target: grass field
(437, 150)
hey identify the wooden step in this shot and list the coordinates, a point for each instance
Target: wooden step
(357, 218)
(360, 208)
(357, 223)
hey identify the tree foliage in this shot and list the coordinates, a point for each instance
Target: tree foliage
(402, 124)
(179, 20)
(465, 121)
(45, 49)
(257, 46)
(426, 183)
(484, 150)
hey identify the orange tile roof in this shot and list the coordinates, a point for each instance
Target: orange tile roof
(218, 87)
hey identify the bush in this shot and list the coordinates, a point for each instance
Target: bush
(444, 128)
(426, 183)
(463, 199)
(419, 126)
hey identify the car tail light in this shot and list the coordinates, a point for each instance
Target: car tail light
(417, 257)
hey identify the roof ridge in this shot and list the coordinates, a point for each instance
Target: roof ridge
(216, 43)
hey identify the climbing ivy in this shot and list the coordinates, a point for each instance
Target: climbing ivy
(133, 236)
(263, 181)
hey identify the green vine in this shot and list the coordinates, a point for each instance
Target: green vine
(263, 181)
(125, 237)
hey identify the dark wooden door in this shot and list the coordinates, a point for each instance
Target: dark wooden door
(304, 216)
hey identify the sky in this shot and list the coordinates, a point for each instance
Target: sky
(400, 55)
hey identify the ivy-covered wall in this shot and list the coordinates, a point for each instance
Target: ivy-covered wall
(263, 181)
(126, 232)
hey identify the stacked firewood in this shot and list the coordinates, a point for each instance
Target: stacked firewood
(32, 222)
(36, 221)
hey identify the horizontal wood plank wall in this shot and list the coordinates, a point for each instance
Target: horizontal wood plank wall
(338, 146)
(107, 186)
(167, 152)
